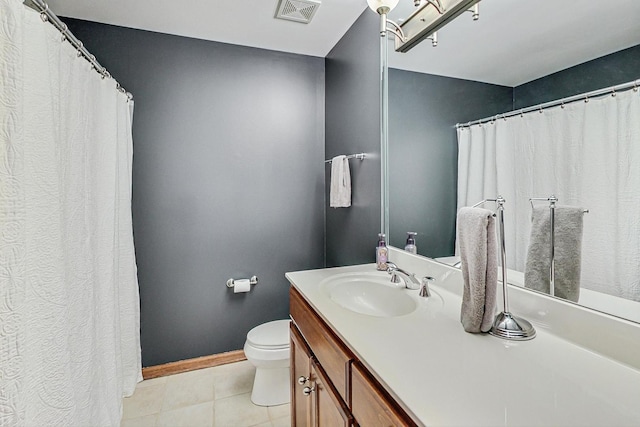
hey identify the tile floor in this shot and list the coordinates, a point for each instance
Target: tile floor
(212, 397)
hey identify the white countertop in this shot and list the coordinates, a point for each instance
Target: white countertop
(617, 306)
(444, 376)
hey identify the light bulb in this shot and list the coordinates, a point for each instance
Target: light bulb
(382, 6)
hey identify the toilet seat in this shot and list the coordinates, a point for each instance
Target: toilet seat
(270, 336)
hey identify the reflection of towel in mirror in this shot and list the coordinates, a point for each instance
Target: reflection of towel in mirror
(568, 248)
(340, 191)
(478, 253)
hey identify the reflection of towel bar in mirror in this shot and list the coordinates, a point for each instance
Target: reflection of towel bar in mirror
(552, 233)
(548, 199)
(359, 156)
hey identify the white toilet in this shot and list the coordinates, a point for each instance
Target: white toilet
(267, 348)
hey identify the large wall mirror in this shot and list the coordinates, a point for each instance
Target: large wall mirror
(520, 54)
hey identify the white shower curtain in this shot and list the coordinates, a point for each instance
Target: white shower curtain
(586, 154)
(69, 305)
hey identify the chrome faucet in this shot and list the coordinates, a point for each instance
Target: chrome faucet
(425, 291)
(399, 275)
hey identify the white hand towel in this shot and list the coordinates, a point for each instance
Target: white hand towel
(479, 256)
(568, 252)
(340, 195)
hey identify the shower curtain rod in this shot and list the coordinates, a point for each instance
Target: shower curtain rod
(47, 15)
(635, 85)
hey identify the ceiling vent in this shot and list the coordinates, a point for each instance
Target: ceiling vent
(297, 10)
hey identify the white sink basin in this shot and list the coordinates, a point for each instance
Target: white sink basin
(371, 294)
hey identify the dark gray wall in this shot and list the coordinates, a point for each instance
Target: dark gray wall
(352, 126)
(423, 152)
(228, 181)
(619, 67)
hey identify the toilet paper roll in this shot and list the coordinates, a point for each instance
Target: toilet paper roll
(242, 285)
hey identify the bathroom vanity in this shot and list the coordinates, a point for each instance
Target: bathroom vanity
(330, 386)
(394, 358)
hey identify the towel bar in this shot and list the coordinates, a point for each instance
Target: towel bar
(506, 325)
(359, 156)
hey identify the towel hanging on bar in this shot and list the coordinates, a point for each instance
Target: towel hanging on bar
(479, 256)
(566, 256)
(340, 188)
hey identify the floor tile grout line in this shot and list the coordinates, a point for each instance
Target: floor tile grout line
(235, 381)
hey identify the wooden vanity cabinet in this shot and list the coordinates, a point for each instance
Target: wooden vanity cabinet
(339, 389)
(314, 400)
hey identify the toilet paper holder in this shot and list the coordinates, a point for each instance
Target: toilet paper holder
(253, 281)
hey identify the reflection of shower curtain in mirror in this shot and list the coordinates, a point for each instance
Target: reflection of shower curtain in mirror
(69, 307)
(587, 154)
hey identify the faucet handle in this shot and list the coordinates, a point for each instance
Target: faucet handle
(392, 268)
(424, 286)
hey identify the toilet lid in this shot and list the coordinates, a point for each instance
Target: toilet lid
(272, 335)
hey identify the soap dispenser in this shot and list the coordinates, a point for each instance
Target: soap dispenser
(411, 242)
(382, 253)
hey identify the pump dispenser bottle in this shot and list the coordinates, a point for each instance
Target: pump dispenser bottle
(382, 253)
(411, 242)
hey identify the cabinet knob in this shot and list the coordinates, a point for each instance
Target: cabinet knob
(308, 390)
(303, 380)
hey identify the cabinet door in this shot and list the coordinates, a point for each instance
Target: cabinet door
(327, 348)
(300, 370)
(328, 409)
(371, 405)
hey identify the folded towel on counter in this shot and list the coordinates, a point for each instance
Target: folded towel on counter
(479, 256)
(340, 193)
(568, 251)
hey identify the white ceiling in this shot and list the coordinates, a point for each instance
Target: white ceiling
(243, 22)
(514, 41)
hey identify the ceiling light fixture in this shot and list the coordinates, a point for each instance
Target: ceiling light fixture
(424, 22)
